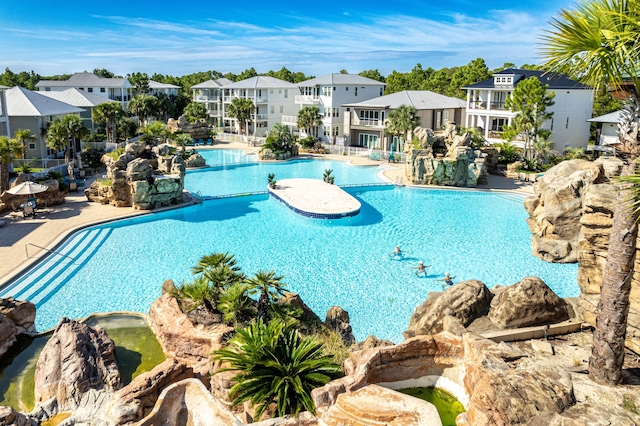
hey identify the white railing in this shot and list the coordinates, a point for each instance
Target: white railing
(260, 116)
(307, 99)
(367, 122)
(290, 119)
(232, 137)
(207, 98)
(262, 99)
(215, 113)
(608, 140)
(372, 154)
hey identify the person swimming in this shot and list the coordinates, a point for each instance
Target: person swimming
(421, 269)
(397, 252)
(448, 280)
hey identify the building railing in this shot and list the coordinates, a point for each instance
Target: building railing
(262, 99)
(232, 137)
(498, 105)
(367, 122)
(207, 98)
(313, 99)
(260, 116)
(290, 119)
(370, 153)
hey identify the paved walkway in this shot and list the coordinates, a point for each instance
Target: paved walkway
(19, 237)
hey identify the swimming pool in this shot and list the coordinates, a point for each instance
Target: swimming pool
(472, 235)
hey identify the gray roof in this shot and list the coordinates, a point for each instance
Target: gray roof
(340, 79)
(261, 82)
(555, 81)
(420, 99)
(212, 84)
(86, 79)
(612, 117)
(22, 102)
(75, 97)
(156, 85)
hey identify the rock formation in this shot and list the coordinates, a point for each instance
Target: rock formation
(571, 216)
(338, 321)
(16, 317)
(10, 417)
(195, 160)
(144, 177)
(199, 129)
(466, 301)
(461, 166)
(76, 359)
(527, 303)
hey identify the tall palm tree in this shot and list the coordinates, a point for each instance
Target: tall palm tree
(109, 113)
(308, 118)
(401, 121)
(64, 130)
(270, 286)
(275, 365)
(598, 42)
(10, 149)
(241, 109)
(23, 136)
(182, 140)
(144, 106)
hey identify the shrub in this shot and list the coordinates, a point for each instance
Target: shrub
(308, 142)
(508, 153)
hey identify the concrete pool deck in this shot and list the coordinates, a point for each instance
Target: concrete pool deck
(49, 229)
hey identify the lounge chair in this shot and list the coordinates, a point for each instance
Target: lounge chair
(210, 141)
(28, 210)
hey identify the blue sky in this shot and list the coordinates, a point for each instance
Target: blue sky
(315, 37)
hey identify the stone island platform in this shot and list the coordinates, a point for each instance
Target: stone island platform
(315, 198)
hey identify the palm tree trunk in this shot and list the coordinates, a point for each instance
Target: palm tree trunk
(607, 356)
(4, 176)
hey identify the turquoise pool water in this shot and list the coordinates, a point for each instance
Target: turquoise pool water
(471, 235)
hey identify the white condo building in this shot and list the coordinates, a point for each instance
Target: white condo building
(573, 104)
(271, 97)
(210, 94)
(329, 93)
(114, 89)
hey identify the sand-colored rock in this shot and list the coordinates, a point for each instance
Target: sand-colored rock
(466, 301)
(10, 417)
(338, 321)
(76, 359)
(587, 414)
(365, 407)
(7, 334)
(527, 303)
(21, 312)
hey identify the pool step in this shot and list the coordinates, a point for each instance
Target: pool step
(47, 277)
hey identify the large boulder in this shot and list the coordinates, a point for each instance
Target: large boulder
(21, 312)
(196, 160)
(139, 169)
(7, 334)
(76, 359)
(464, 168)
(556, 207)
(587, 414)
(527, 303)
(466, 301)
(338, 320)
(10, 417)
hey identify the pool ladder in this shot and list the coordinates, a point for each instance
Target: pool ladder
(399, 181)
(198, 197)
(26, 249)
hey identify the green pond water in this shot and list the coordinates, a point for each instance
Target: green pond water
(137, 351)
(448, 406)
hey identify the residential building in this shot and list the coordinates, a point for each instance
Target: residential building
(81, 99)
(606, 130)
(5, 129)
(365, 122)
(114, 89)
(572, 107)
(210, 94)
(34, 111)
(329, 93)
(167, 89)
(273, 98)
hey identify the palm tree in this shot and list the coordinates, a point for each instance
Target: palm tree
(280, 138)
(144, 106)
(598, 42)
(155, 130)
(241, 109)
(270, 286)
(235, 304)
(23, 136)
(220, 270)
(109, 113)
(64, 130)
(199, 292)
(402, 120)
(275, 366)
(10, 149)
(308, 118)
(182, 140)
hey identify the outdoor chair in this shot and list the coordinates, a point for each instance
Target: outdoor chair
(73, 186)
(209, 141)
(28, 210)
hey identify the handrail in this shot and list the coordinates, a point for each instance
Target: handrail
(43, 248)
(354, 185)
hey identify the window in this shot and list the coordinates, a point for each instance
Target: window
(381, 91)
(271, 91)
(286, 94)
(356, 91)
(334, 89)
(32, 145)
(551, 124)
(445, 117)
(281, 109)
(567, 125)
(346, 88)
(497, 124)
(335, 131)
(273, 109)
(90, 89)
(326, 91)
(336, 112)
(47, 89)
(280, 91)
(81, 88)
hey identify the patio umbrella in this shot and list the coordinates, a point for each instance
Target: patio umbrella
(27, 188)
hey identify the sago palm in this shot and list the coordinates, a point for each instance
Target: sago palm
(276, 366)
(270, 287)
(235, 304)
(598, 42)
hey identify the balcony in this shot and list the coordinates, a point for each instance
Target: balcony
(478, 105)
(215, 113)
(307, 99)
(363, 122)
(203, 98)
(498, 105)
(262, 100)
(290, 120)
(260, 117)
